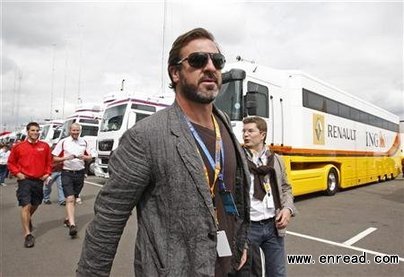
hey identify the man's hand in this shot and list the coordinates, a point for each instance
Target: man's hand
(20, 176)
(47, 180)
(43, 178)
(283, 218)
(243, 259)
(71, 157)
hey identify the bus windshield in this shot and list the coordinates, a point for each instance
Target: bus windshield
(112, 118)
(230, 101)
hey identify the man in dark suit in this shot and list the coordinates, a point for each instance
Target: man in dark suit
(185, 172)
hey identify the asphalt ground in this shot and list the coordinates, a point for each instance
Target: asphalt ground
(324, 226)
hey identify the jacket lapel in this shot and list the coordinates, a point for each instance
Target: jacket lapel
(187, 150)
(275, 186)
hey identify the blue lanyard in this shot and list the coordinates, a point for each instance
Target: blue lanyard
(216, 165)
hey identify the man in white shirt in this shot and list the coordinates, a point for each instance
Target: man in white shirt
(4, 153)
(73, 151)
(271, 197)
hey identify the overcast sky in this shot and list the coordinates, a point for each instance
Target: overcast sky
(85, 49)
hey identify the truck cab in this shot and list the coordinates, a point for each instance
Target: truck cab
(120, 115)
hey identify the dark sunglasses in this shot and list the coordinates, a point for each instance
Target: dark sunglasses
(200, 59)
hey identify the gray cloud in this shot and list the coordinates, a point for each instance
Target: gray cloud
(356, 47)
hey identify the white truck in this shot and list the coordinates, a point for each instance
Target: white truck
(119, 115)
(48, 130)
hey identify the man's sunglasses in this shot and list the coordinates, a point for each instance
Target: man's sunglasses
(200, 59)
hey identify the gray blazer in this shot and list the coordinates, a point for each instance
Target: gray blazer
(158, 169)
(283, 186)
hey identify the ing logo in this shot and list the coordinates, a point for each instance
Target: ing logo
(318, 129)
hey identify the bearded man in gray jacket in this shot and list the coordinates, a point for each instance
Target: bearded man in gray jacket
(186, 174)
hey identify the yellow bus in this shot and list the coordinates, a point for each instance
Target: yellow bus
(328, 138)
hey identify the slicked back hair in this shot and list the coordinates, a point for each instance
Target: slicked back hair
(181, 42)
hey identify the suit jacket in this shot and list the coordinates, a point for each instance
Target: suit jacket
(157, 169)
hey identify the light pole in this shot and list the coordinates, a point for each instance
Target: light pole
(80, 57)
(52, 82)
(64, 86)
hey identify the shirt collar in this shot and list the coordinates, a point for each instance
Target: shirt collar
(72, 139)
(32, 142)
(253, 155)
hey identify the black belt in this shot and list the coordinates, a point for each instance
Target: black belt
(264, 221)
(73, 171)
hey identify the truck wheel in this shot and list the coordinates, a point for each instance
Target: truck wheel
(332, 182)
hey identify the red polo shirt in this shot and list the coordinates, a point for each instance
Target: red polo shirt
(31, 159)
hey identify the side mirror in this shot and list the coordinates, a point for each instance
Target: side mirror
(233, 75)
(251, 103)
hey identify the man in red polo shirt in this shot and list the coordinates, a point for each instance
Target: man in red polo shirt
(30, 162)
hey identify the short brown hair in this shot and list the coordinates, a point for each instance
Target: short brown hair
(260, 122)
(181, 42)
(29, 125)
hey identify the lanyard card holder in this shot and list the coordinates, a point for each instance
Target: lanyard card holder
(228, 202)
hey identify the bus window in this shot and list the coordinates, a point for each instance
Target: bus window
(313, 101)
(363, 117)
(332, 107)
(344, 111)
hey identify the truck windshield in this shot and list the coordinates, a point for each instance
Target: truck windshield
(230, 98)
(66, 128)
(44, 132)
(112, 118)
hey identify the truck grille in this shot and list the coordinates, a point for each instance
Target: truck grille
(105, 145)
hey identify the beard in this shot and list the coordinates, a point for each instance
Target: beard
(191, 92)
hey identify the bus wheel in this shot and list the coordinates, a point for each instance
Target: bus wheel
(332, 182)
